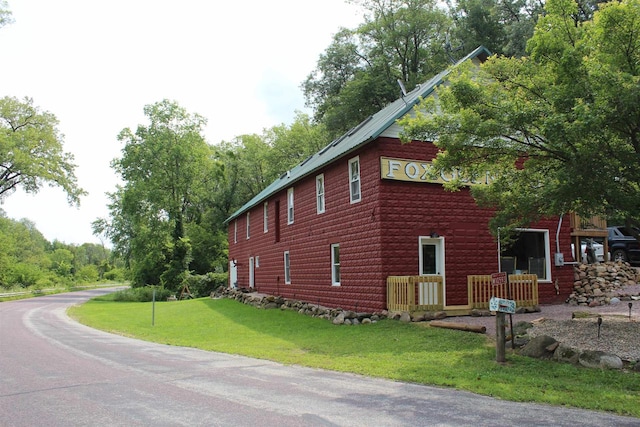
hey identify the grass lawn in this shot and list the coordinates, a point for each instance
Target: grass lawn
(389, 349)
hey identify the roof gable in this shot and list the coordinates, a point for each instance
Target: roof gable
(368, 130)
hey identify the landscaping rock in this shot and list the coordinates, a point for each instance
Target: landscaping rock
(338, 316)
(599, 359)
(521, 327)
(405, 317)
(568, 354)
(538, 347)
(603, 283)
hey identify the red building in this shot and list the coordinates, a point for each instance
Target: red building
(333, 228)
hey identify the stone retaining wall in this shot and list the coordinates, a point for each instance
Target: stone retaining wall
(336, 315)
(597, 284)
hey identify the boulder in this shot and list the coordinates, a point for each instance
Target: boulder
(599, 359)
(405, 317)
(564, 353)
(339, 319)
(538, 347)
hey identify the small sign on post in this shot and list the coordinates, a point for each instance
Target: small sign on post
(501, 306)
(499, 279)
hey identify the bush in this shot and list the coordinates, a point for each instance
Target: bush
(87, 274)
(115, 275)
(142, 294)
(202, 285)
(26, 275)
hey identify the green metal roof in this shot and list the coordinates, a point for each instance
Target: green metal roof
(365, 132)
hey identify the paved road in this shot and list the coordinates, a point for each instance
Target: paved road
(55, 372)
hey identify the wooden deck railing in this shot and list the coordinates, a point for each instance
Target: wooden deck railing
(415, 293)
(589, 227)
(426, 293)
(523, 287)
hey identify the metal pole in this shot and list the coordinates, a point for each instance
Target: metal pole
(513, 342)
(153, 307)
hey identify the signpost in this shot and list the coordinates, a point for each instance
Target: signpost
(501, 306)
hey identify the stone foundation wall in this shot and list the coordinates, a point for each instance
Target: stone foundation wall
(336, 315)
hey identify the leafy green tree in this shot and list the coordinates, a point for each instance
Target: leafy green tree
(166, 167)
(357, 74)
(31, 152)
(5, 14)
(558, 130)
(62, 262)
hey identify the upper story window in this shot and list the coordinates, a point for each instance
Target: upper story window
(290, 206)
(235, 231)
(248, 225)
(265, 214)
(320, 193)
(354, 180)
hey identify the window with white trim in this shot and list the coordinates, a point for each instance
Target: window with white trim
(527, 253)
(354, 180)
(290, 206)
(265, 215)
(235, 231)
(248, 225)
(287, 268)
(335, 264)
(320, 193)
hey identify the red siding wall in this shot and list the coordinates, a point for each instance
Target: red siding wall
(409, 210)
(309, 240)
(378, 236)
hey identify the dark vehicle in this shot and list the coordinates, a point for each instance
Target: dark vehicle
(623, 246)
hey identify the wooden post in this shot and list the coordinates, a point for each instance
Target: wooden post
(500, 338)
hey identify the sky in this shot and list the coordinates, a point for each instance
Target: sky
(96, 64)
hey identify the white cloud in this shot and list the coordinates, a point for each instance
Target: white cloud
(95, 65)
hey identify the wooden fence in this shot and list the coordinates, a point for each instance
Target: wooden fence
(523, 289)
(415, 293)
(426, 293)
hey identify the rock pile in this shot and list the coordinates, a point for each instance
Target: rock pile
(598, 284)
(546, 347)
(337, 316)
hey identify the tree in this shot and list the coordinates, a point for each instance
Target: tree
(558, 130)
(502, 26)
(166, 167)
(357, 75)
(31, 152)
(5, 14)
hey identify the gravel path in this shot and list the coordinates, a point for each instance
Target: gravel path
(619, 333)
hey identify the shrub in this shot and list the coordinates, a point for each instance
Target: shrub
(87, 274)
(142, 294)
(116, 275)
(202, 285)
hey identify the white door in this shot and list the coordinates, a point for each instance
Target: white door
(233, 274)
(251, 272)
(431, 264)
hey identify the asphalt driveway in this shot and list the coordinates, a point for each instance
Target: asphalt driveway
(56, 372)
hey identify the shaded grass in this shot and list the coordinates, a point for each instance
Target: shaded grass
(388, 349)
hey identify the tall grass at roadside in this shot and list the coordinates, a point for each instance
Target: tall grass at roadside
(387, 349)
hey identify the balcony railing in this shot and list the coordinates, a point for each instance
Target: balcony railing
(588, 227)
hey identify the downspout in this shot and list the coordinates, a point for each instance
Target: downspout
(555, 282)
(558, 234)
(499, 251)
